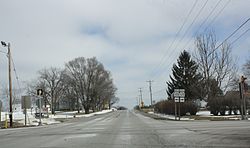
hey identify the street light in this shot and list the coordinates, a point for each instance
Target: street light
(4, 44)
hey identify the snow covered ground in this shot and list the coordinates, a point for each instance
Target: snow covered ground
(31, 120)
(170, 117)
(200, 114)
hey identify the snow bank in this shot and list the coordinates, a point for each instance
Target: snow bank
(31, 120)
(170, 117)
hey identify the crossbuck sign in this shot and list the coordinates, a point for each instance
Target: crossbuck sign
(179, 95)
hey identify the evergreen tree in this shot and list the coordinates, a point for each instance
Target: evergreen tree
(185, 76)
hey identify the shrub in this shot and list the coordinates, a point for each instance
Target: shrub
(168, 107)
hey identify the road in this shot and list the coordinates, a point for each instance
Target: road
(126, 129)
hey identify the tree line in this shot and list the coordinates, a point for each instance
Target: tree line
(82, 83)
(208, 74)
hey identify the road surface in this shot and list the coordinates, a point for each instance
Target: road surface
(126, 129)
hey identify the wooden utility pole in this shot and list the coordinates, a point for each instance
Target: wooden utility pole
(10, 86)
(150, 91)
(140, 102)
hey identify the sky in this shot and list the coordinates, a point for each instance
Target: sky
(132, 38)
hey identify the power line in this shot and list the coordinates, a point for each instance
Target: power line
(218, 14)
(239, 37)
(232, 33)
(213, 19)
(203, 22)
(185, 33)
(176, 35)
(236, 30)
(15, 72)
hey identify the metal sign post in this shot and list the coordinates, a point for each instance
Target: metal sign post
(40, 108)
(179, 95)
(40, 93)
(26, 103)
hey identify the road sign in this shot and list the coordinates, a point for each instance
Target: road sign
(179, 90)
(176, 99)
(179, 93)
(182, 99)
(179, 100)
(26, 102)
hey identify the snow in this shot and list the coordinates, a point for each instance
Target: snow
(170, 117)
(19, 117)
(201, 114)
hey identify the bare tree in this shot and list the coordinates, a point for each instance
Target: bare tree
(205, 56)
(225, 67)
(91, 81)
(246, 68)
(214, 63)
(51, 81)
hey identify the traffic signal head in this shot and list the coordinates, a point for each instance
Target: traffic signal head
(242, 79)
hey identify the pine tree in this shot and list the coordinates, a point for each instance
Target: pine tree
(185, 76)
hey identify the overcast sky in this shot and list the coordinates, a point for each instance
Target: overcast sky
(130, 37)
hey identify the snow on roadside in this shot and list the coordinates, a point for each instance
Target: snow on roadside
(201, 114)
(31, 120)
(170, 117)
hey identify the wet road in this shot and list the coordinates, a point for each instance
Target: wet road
(125, 129)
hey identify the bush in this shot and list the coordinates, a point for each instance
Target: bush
(220, 104)
(168, 107)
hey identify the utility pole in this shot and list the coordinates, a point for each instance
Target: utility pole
(10, 81)
(150, 91)
(243, 98)
(10, 86)
(141, 102)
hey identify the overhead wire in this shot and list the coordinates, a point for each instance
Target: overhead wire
(215, 17)
(236, 30)
(241, 35)
(218, 14)
(189, 27)
(203, 22)
(176, 35)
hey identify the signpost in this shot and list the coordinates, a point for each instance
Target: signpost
(26, 103)
(39, 93)
(179, 95)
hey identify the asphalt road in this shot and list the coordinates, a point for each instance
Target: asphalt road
(125, 129)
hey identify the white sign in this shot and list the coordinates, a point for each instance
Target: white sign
(176, 99)
(182, 100)
(179, 90)
(179, 100)
(179, 93)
